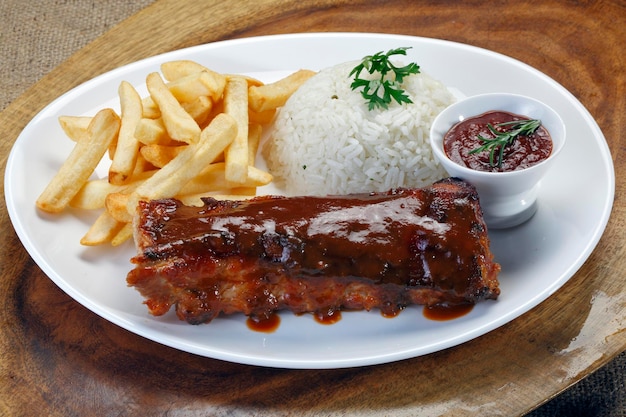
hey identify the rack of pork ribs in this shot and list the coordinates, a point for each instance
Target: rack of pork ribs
(387, 250)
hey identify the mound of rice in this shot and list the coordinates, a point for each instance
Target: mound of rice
(326, 141)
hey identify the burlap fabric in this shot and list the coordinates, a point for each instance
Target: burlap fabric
(37, 36)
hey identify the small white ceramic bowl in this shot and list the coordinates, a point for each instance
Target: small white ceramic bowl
(507, 198)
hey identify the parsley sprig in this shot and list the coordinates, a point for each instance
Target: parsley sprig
(503, 139)
(381, 91)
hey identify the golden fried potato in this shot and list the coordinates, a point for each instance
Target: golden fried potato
(178, 123)
(127, 148)
(170, 179)
(236, 105)
(75, 127)
(103, 230)
(196, 134)
(161, 155)
(274, 95)
(81, 162)
(151, 131)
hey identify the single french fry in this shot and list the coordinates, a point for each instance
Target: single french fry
(115, 204)
(204, 83)
(150, 108)
(214, 83)
(199, 109)
(173, 70)
(194, 200)
(254, 139)
(274, 95)
(257, 177)
(213, 178)
(160, 155)
(125, 233)
(103, 230)
(151, 131)
(81, 162)
(177, 71)
(250, 80)
(169, 180)
(243, 191)
(187, 88)
(127, 149)
(178, 123)
(236, 105)
(263, 117)
(75, 127)
(142, 167)
(93, 193)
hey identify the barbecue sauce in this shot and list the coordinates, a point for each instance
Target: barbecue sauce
(445, 312)
(267, 324)
(523, 152)
(329, 316)
(438, 312)
(308, 254)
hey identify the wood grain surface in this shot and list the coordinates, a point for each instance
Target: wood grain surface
(59, 359)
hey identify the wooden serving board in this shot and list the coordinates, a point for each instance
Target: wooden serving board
(58, 358)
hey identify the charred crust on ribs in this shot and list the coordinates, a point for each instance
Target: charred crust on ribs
(306, 254)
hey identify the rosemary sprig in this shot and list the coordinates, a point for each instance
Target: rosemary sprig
(506, 138)
(381, 91)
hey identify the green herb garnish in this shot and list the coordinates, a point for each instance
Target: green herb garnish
(503, 139)
(390, 86)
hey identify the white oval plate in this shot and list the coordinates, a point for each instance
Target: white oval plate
(537, 258)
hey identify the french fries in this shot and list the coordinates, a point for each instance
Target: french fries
(196, 134)
(104, 229)
(178, 123)
(236, 105)
(127, 147)
(75, 127)
(160, 155)
(271, 96)
(151, 131)
(170, 179)
(81, 162)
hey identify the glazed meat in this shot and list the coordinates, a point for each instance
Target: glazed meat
(387, 250)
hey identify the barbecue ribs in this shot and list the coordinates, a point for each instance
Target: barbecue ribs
(387, 250)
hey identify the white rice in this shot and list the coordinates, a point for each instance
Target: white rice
(326, 141)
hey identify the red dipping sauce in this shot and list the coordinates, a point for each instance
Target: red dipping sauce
(523, 152)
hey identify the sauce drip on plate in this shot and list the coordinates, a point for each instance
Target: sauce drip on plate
(264, 324)
(444, 312)
(439, 312)
(330, 316)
